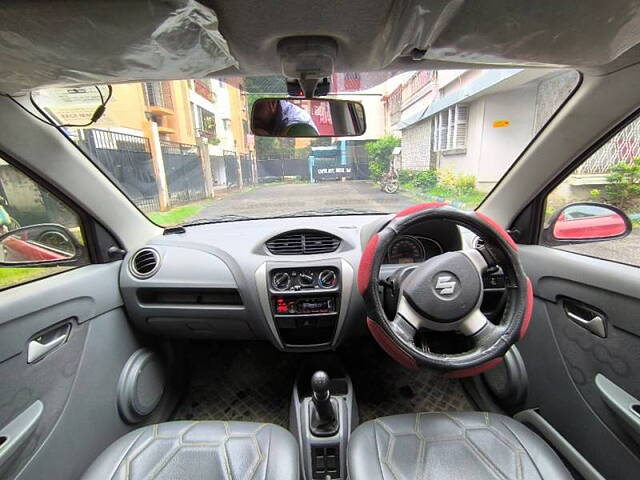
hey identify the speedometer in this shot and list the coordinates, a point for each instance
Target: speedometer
(406, 250)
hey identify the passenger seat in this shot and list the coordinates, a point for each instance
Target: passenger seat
(208, 450)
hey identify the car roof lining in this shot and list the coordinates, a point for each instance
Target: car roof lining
(386, 35)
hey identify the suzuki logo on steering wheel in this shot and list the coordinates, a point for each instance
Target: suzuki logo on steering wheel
(445, 285)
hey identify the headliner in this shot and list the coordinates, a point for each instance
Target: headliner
(373, 35)
(80, 42)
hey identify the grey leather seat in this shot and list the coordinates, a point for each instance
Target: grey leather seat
(447, 446)
(199, 451)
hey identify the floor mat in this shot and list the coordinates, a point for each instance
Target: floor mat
(248, 381)
(383, 387)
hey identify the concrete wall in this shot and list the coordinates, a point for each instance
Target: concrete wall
(551, 93)
(416, 146)
(501, 146)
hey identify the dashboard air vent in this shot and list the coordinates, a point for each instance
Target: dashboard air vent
(303, 242)
(144, 263)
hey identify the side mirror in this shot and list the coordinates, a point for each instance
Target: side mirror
(45, 244)
(586, 222)
(299, 117)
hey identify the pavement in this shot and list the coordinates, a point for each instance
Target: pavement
(281, 199)
(625, 250)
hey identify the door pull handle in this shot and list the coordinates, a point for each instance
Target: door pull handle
(588, 319)
(47, 342)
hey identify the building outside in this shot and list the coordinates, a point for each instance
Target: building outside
(208, 113)
(473, 122)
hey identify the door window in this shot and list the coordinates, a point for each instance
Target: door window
(579, 217)
(39, 234)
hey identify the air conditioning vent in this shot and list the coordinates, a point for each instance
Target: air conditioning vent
(305, 242)
(144, 263)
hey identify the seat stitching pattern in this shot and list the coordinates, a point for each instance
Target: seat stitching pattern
(124, 455)
(515, 448)
(155, 467)
(524, 450)
(380, 459)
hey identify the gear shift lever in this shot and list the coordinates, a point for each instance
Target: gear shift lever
(323, 418)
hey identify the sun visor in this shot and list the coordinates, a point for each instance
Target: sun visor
(518, 32)
(79, 42)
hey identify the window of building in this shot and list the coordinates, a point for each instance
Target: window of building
(205, 123)
(450, 128)
(56, 231)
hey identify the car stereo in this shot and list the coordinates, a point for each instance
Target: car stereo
(305, 303)
(304, 306)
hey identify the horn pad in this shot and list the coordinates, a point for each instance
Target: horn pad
(445, 288)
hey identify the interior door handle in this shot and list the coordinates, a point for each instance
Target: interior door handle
(47, 342)
(586, 318)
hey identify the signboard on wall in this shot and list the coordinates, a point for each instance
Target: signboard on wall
(333, 172)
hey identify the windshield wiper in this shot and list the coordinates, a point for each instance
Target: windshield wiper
(329, 212)
(218, 219)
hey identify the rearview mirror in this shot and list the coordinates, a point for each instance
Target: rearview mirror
(44, 244)
(587, 222)
(317, 117)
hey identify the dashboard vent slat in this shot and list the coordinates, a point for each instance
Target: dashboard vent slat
(144, 263)
(309, 242)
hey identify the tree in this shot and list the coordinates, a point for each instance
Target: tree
(380, 152)
(623, 188)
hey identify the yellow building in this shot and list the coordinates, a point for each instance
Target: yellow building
(131, 110)
(239, 113)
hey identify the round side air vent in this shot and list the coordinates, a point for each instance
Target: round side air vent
(144, 263)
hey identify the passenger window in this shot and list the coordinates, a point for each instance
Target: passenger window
(39, 234)
(596, 210)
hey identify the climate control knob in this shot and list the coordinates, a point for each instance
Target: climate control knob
(327, 279)
(281, 280)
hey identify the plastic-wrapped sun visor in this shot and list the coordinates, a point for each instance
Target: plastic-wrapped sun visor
(516, 32)
(79, 42)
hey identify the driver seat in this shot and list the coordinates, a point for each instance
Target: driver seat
(448, 446)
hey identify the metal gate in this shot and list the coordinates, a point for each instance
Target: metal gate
(185, 179)
(126, 160)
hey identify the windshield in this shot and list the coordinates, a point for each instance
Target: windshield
(183, 152)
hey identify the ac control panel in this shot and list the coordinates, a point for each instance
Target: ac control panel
(303, 279)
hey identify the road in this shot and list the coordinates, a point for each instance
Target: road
(281, 199)
(625, 250)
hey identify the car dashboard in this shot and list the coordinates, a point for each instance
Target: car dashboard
(291, 281)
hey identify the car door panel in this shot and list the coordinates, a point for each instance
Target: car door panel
(563, 357)
(76, 382)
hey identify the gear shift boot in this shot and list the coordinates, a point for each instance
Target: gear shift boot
(323, 409)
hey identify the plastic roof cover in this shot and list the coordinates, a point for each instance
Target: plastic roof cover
(78, 42)
(515, 32)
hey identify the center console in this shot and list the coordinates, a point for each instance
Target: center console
(305, 304)
(323, 415)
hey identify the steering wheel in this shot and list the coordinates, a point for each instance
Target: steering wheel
(440, 298)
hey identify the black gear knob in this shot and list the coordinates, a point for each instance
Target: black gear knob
(320, 386)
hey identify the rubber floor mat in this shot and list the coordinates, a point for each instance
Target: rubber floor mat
(383, 387)
(248, 381)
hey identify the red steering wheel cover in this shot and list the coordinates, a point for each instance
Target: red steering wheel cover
(377, 328)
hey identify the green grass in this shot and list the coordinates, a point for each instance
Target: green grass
(10, 276)
(177, 215)
(466, 201)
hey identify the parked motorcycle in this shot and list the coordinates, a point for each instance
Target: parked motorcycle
(390, 181)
